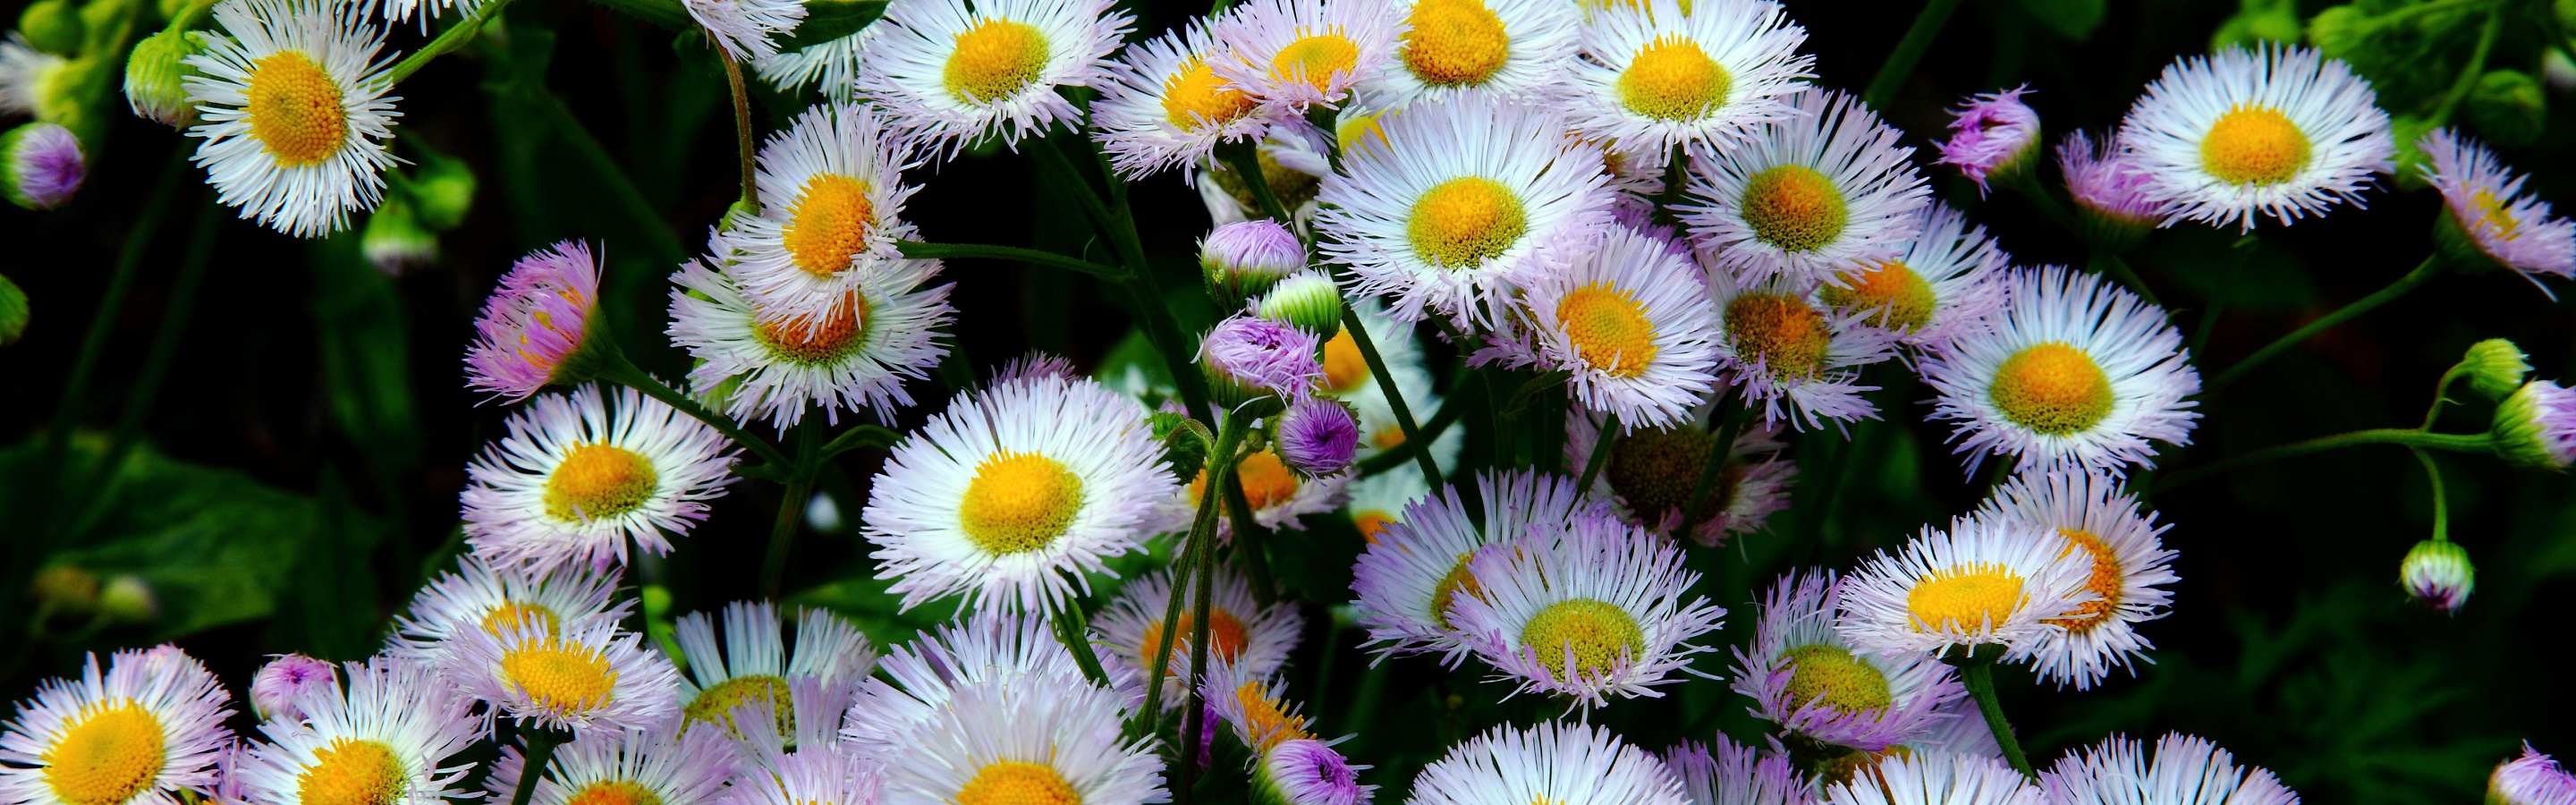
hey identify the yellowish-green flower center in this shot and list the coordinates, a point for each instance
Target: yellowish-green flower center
(1195, 98)
(716, 704)
(1899, 298)
(597, 481)
(1794, 208)
(1315, 58)
(562, 677)
(1597, 633)
(353, 772)
(828, 224)
(817, 340)
(2052, 388)
(615, 792)
(2254, 145)
(1846, 683)
(108, 756)
(2106, 581)
(1609, 329)
(1019, 502)
(2493, 210)
(1786, 334)
(994, 60)
(294, 109)
(1673, 79)
(1012, 782)
(1463, 222)
(1455, 43)
(1967, 598)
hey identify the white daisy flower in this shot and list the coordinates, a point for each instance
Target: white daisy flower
(1800, 360)
(1631, 324)
(588, 677)
(1594, 613)
(293, 96)
(1729, 773)
(1983, 581)
(1409, 579)
(998, 742)
(1501, 48)
(381, 739)
(577, 477)
(1294, 159)
(2127, 563)
(148, 728)
(2075, 371)
(1555, 763)
(754, 663)
(1457, 201)
(832, 195)
(827, 776)
(956, 75)
(1662, 73)
(1949, 278)
(2184, 771)
(987, 647)
(1820, 192)
(2279, 131)
(742, 28)
(1931, 779)
(1166, 106)
(1241, 633)
(1651, 473)
(855, 357)
(2492, 216)
(482, 595)
(1291, 54)
(831, 65)
(1011, 495)
(1803, 675)
(662, 767)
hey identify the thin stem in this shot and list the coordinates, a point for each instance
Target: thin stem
(2423, 271)
(1720, 453)
(165, 343)
(448, 40)
(623, 372)
(541, 755)
(927, 251)
(2441, 502)
(2442, 392)
(120, 280)
(2454, 442)
(1241, 158)
(1909, 51)
(1413, 435)
(1431, 429)
(1194, 713)
(1202, 536)
(1600, 453)
(1143, 291)
(2471, 72)
(743, 139)
(2026, 181)
(1076, 637)
(1248, 535)
(2243, 250)
(628, 196)
(2110, 263)
(1978, 676)
(791, 511)
(1676, 175)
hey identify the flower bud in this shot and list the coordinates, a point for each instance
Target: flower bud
(52, 26)
(1318, 437)
(2438, 573)
(442, 192)
(1309, 301)
(537, 327)
(1254, 365)
(155, 76)
(65, 589)
(1305, 771)
(1242, 260)
(2509, 107)
(2536, 426)
(41, 165)
(2532, 779)
(2495, 368)
(274, 689)
(1994, 136)
(2111, 203)
(128, 599)
(395, 240)
(13, 311)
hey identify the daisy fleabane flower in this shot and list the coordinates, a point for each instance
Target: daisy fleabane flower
(743, 28)
(1555, 763)
(2113, 205)
(661, 767)
(1938, 779)
(1661, 73)
(587, 676)
(1729, 773)
(1505, 48)
(2127, 560)
(957, 75)
(995, 742)
(1456, 201)
(1305, 771)
(1594, 613)
(1948, 279)
(1416, 566)
(1798, 359)
(2184, 771)
(1631, 324)
(479, 594)
(1252, 706)
(1803, 675)
(832, 196)
(1165, 105)
(27, 80)
(1013, 493)
(1993, 135)
(1983, 581)
(140, 733)
(831, 66)
(2531, 779)
(854, 357)
(1291, 54)
(989, 646)
(274, 689)
(1822, 191)
(380, 739)
(1241, 633)
(753, 661)
(1652, 472)
(2491, 215)
(582, 474)
(2074, 371)
(293, 95)
(2278, 131)
(823, 775)
(534, 323)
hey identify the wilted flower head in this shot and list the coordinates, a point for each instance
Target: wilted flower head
(2438, 573)
(1993, 135)
(1247, 357)
(1318, 436)
(2536, 426)
(274, 690)
(1244, 258)
(41, 165)
(534, 322)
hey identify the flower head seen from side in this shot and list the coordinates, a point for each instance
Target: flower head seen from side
(141, 732)
(1983, 581)
(582, 474)
(1949, 278)
(1241, 261)
(1457, 202)
(1803, 675)
(479, 594)
(1817, 193)
(1241, 633)
(1291, 54)
(988, 647)
(2489, 213)
(995, 742)
(31, 80)
(1994, 134)
(1248, 358)
(853, 357)
(1305, 771)
(832, 196)
(2279, 131)
(273, 691)
(2438, 573)
(2535, 426)
(41, 165)
(1661, 73)
(2114, 204)
(535, 323)
(1937, 779)
(1798, 359)
(1651, 473)
(296, 117)
(660, 767)
(1631, 324)
(1011, 489)
(755, 662)
(1729, 773)
(1556, 763)
(2183, 771)
(2530, 779)
(957, 75)
(744, 28)
(588, 677)
(831, 66)
(1502, 48)
(1253, 706)
(1166, 106)
(1411, 576)
(2074, 372)
(1599, 613)
(380, 739)
(2128, 568)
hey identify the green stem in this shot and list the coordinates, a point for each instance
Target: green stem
(617, 369)
(791, 511)
(1720, 453)
(647, 222)
(156, 364)
(2454, 442)
(1070, 630)
(1676, 179)
(2442, 393)
(1978, 676)
(2026, 181)
(1201, 539)
(2111, 264)
(541, 743)
(744, 141)
(928, 251)
(1600, 453)
(1413, 436)
(2441, 502)
(1431, 429)
(2242, 251)
(1194, 712)
(1142, 289)
(1909, 51)
(2471, 72)
(1241, 158)
(2422, 273)
(1248, 536)
(448, 40)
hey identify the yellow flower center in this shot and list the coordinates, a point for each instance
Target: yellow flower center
(1267, 481)
(2107, 581)
(1609, 329)
(505, 620)
(295, 109)
(1845, 682)
(615, 792)
(1787, 335)
(995, 59)
(1655, 469)
(1226, 635)
(1264, 718)
(807, 341)
(1900, 298)
(2052, 388)
(353, 772)
(598, 481)
(111, 756)
(1596, 632)
(1458, 580)
(1315, 59)
(1355, 127)
(2492, 210)
(1463, 222)
(2254, 145)
(1011, 782)
(1388, 437)
(1019, 502)
(1371, 522)
(1344, 367)
(828, 224)
(1969, 598)
(563, 677)
(1794, 208)
(1455, 42)
(1195, 98)
(717, 702)
(1673, 79)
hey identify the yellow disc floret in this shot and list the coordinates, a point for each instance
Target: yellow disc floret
(615, 792)
(1458, 580)
(716, 704)
(1794, 208)
(1846, 683)
(2492, 210)
(1195, 97)
(995, 59)
(2052, 388)
(294, 109)
(1011, 782)
(112, 755)
(1673, 79)
(1968, 598)
(559, 676)
(1265, 719)
(1463, 222)
(1597, 633)
(1455, 43)
(511, 616)
(1266, 480)
(1344, 367)
(2254, 145)
(2107, 581)
(353, 772)
(1019, 502)
(598, 481)
(1315, 58)
(1226, 635)
(1783, 332)
(817, 340)
(1609, 329)
(1895, 296)
(828, 224)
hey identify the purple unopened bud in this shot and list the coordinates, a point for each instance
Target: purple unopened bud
(41, 165)
(2532, 779)
(2110, 191)
(1243, 259)
(1247, 358)
(274, 690)
(1993, 135)
(1305, 771)
(1318, 437)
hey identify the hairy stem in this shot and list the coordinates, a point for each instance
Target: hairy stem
(448, 40)
(1978, 676)
(1600, 454)
(2423, 272)
(1070, 630)
(930, 251)
(2411, 437)
(791, 511)
(743, 138)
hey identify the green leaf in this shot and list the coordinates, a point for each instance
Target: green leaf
(2073, 19)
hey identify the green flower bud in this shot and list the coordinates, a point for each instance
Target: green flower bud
(2340, 32)
(2495, 368)
(13, 311)
(1309, 301)
(52, 26)
(153, 76)
(128, 599)
(2412, 164)
(2536, 427)
(2438, 573)
(442, 191)
(2509, 107)
(65, 589)
(395, 240)
(41, 165)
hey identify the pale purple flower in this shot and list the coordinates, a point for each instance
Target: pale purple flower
(1036, 364)
(274, 690)
(1991, 134)
(535, 320)
(1798, 652)
(1318, 437)
(1262, 354)
(2536, 426)
(2532, 779)
(1729, 772)
(1305, 771)
(42, 165)
(2105, 181)
(1244, 258)
(2487, 202)
(2438, 573)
